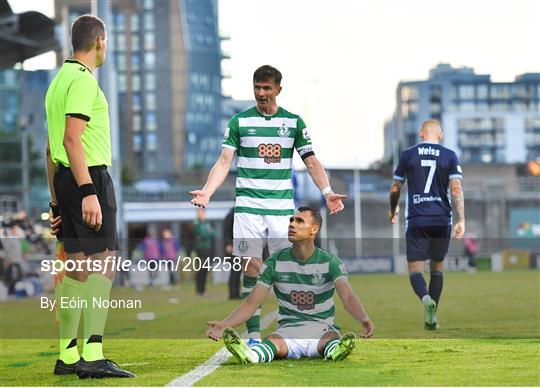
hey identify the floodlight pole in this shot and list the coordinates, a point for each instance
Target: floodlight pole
(357, 214)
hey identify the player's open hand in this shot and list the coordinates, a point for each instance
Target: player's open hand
(200, 198)
(334, 202)
(368, 327)
(215, 330)
(91, 212)
(459, 230)
(393, 217)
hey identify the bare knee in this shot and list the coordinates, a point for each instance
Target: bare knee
(416, 266)
(436, 266)
(253, 267)
(79, 271)
(327, 337)
(282, 351)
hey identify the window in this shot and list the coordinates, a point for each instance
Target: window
(151, 121)
(120, 42)
(482, 107)
(151, 141)
(135, 62)
(482, 92)
(136, 106)
(500, 91)
(134, 42)
(136, 122)
(120, 21)
(134, 22)
(122, 83)
(409, 93)
(466, 107)
(150, 81)
(466, 92)
(121, 62)
(148, 4)
(149, 60)
(137, 143)
(136, 82)
(150, 101)
(148, 21)
(149, 39)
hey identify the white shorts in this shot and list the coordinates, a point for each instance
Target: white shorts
(252, 231)
(302, 341)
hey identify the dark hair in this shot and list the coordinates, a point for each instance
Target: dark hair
(267, 72)
(84, 32)
(314, 213)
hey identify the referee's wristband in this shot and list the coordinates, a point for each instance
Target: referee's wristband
(326, 190)
(87, 189)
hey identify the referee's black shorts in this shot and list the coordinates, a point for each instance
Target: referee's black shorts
(75, 234)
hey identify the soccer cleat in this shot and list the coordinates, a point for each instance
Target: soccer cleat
(430, 317)
(238, 348)
(101, 368)
(343, 348)
(61, 368)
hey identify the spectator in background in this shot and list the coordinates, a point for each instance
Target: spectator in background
(203, 240)
(234, 277)
(169, 252)
(471, 248)
(151, 250)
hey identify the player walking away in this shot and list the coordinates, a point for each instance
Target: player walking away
(78, 153)
(304, 279)
(429, 168)
(264, 138)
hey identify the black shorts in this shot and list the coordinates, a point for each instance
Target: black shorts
(75, 234)
(427, 242)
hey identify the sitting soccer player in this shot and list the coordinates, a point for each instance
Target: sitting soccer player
(304, 279)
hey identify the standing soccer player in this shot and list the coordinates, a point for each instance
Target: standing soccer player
(429, 169)
(304, 279)
(264, 137)
(78, 153)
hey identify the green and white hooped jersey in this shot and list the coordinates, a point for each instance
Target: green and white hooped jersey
(304, 289)
(265, 146)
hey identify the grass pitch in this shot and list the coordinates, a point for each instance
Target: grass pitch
(489, 335)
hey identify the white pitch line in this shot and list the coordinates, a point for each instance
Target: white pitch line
(213, 362)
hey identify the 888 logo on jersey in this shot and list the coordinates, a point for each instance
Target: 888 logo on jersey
(270, 152)
(303, 300)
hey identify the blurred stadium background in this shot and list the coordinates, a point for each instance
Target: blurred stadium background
(163, 79)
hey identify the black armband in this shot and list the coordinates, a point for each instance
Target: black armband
(307, 155)
(87, 189)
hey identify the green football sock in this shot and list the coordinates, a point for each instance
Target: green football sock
(98, 289)
(70, 290)
(264, 352)
(253, 324)
(330, 346)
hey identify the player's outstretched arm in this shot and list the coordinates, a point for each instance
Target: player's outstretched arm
(393, 196)
(240, 314)
(352, 304)
(318, 175)
(215, 178)
(459, 207)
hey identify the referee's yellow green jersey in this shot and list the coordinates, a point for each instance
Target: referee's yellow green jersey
(74, 91)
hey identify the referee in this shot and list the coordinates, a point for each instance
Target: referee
(78, 153)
